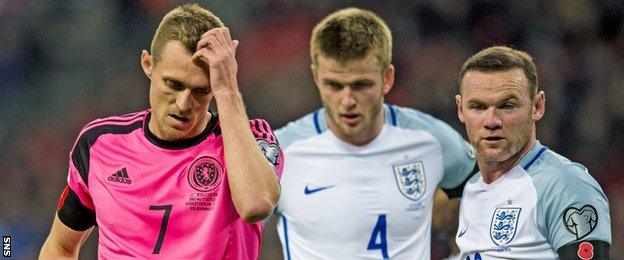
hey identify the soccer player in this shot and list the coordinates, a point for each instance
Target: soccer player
(175, 181)
(360, 175)
(528, 202)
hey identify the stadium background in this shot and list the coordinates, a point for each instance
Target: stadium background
(64, 63)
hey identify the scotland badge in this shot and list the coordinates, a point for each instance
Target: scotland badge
(410, 178)
(504, 225)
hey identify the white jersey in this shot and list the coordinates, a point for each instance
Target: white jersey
(542, 204)
(341, 201)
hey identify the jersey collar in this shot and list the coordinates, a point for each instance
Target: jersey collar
(182, 144)
(532, 156)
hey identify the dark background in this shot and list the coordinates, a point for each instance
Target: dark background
(64, 63)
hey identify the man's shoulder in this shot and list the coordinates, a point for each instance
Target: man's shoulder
(112, 124)
(302, 128)
(414, 119)
(554, 173)
(555, 167)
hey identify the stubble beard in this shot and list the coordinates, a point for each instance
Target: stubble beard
(353, 132)
(510, 148)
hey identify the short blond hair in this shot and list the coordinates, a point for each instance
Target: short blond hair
(186, 24)
(503, 58)
(352, 33)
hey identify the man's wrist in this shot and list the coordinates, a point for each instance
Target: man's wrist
(227, 94)
(229, 98)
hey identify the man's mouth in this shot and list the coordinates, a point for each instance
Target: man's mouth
(350, 119)
(179, 118)
(493, 138)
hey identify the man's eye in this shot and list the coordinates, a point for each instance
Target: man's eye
(477, 106)
(334, 85)
(202, 91)
(174, 85)
(507, 105)
(362, 85)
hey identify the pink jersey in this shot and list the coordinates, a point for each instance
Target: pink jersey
(158, 199)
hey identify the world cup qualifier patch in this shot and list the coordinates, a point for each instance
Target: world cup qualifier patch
(270, 151)
(580, 222)
(205, 174)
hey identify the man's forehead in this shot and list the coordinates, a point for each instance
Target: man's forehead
(366, 64)
(511, 81)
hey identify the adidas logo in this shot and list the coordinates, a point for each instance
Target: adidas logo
(121, 176)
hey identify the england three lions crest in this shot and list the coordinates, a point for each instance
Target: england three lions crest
(504, 225)
(410, 178)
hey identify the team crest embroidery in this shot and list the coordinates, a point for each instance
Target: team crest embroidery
(205, 174)
(504, 225)
(580, 222)
(410, 178)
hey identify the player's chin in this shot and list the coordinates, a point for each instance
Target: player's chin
(351, 130)
(177, 133)
(490, 154)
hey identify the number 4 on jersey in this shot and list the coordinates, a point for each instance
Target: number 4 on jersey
(379, 232)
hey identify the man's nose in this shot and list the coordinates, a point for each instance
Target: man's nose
(347, 99)
(184, 100)
(492, 119)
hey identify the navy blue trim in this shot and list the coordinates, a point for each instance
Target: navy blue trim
(285, 225)
(526, 167)
(316, 122)
(393, 115)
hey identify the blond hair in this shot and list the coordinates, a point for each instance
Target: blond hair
(185, 24)
(352, 33)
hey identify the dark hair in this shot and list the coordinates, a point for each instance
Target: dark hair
(502, 58)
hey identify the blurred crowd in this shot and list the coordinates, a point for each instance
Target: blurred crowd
(64, 63)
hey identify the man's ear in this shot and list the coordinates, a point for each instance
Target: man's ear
(146, 63)
(539, 107)
(388, 79)
(460, 109)
(315, 74)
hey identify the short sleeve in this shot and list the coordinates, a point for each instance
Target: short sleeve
(571, 206)
(75, 208)
(268, 144)
(458, 156)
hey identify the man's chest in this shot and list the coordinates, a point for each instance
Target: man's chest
(353, 191)
(501, 221)
(137, 191)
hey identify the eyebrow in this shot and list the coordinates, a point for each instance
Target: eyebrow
(506, 99)
(167, 78)
(181, 83)
(356, 82)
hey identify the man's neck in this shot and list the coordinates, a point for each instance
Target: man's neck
(492, 171)
(360, 140)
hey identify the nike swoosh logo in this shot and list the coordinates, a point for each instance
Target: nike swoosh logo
(308, 190)
(463, 232)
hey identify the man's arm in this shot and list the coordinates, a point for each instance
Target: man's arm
(445, 219)
(591, 249)
(63, 242)
(253, 181)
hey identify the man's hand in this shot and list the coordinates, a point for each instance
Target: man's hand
(215, 54)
